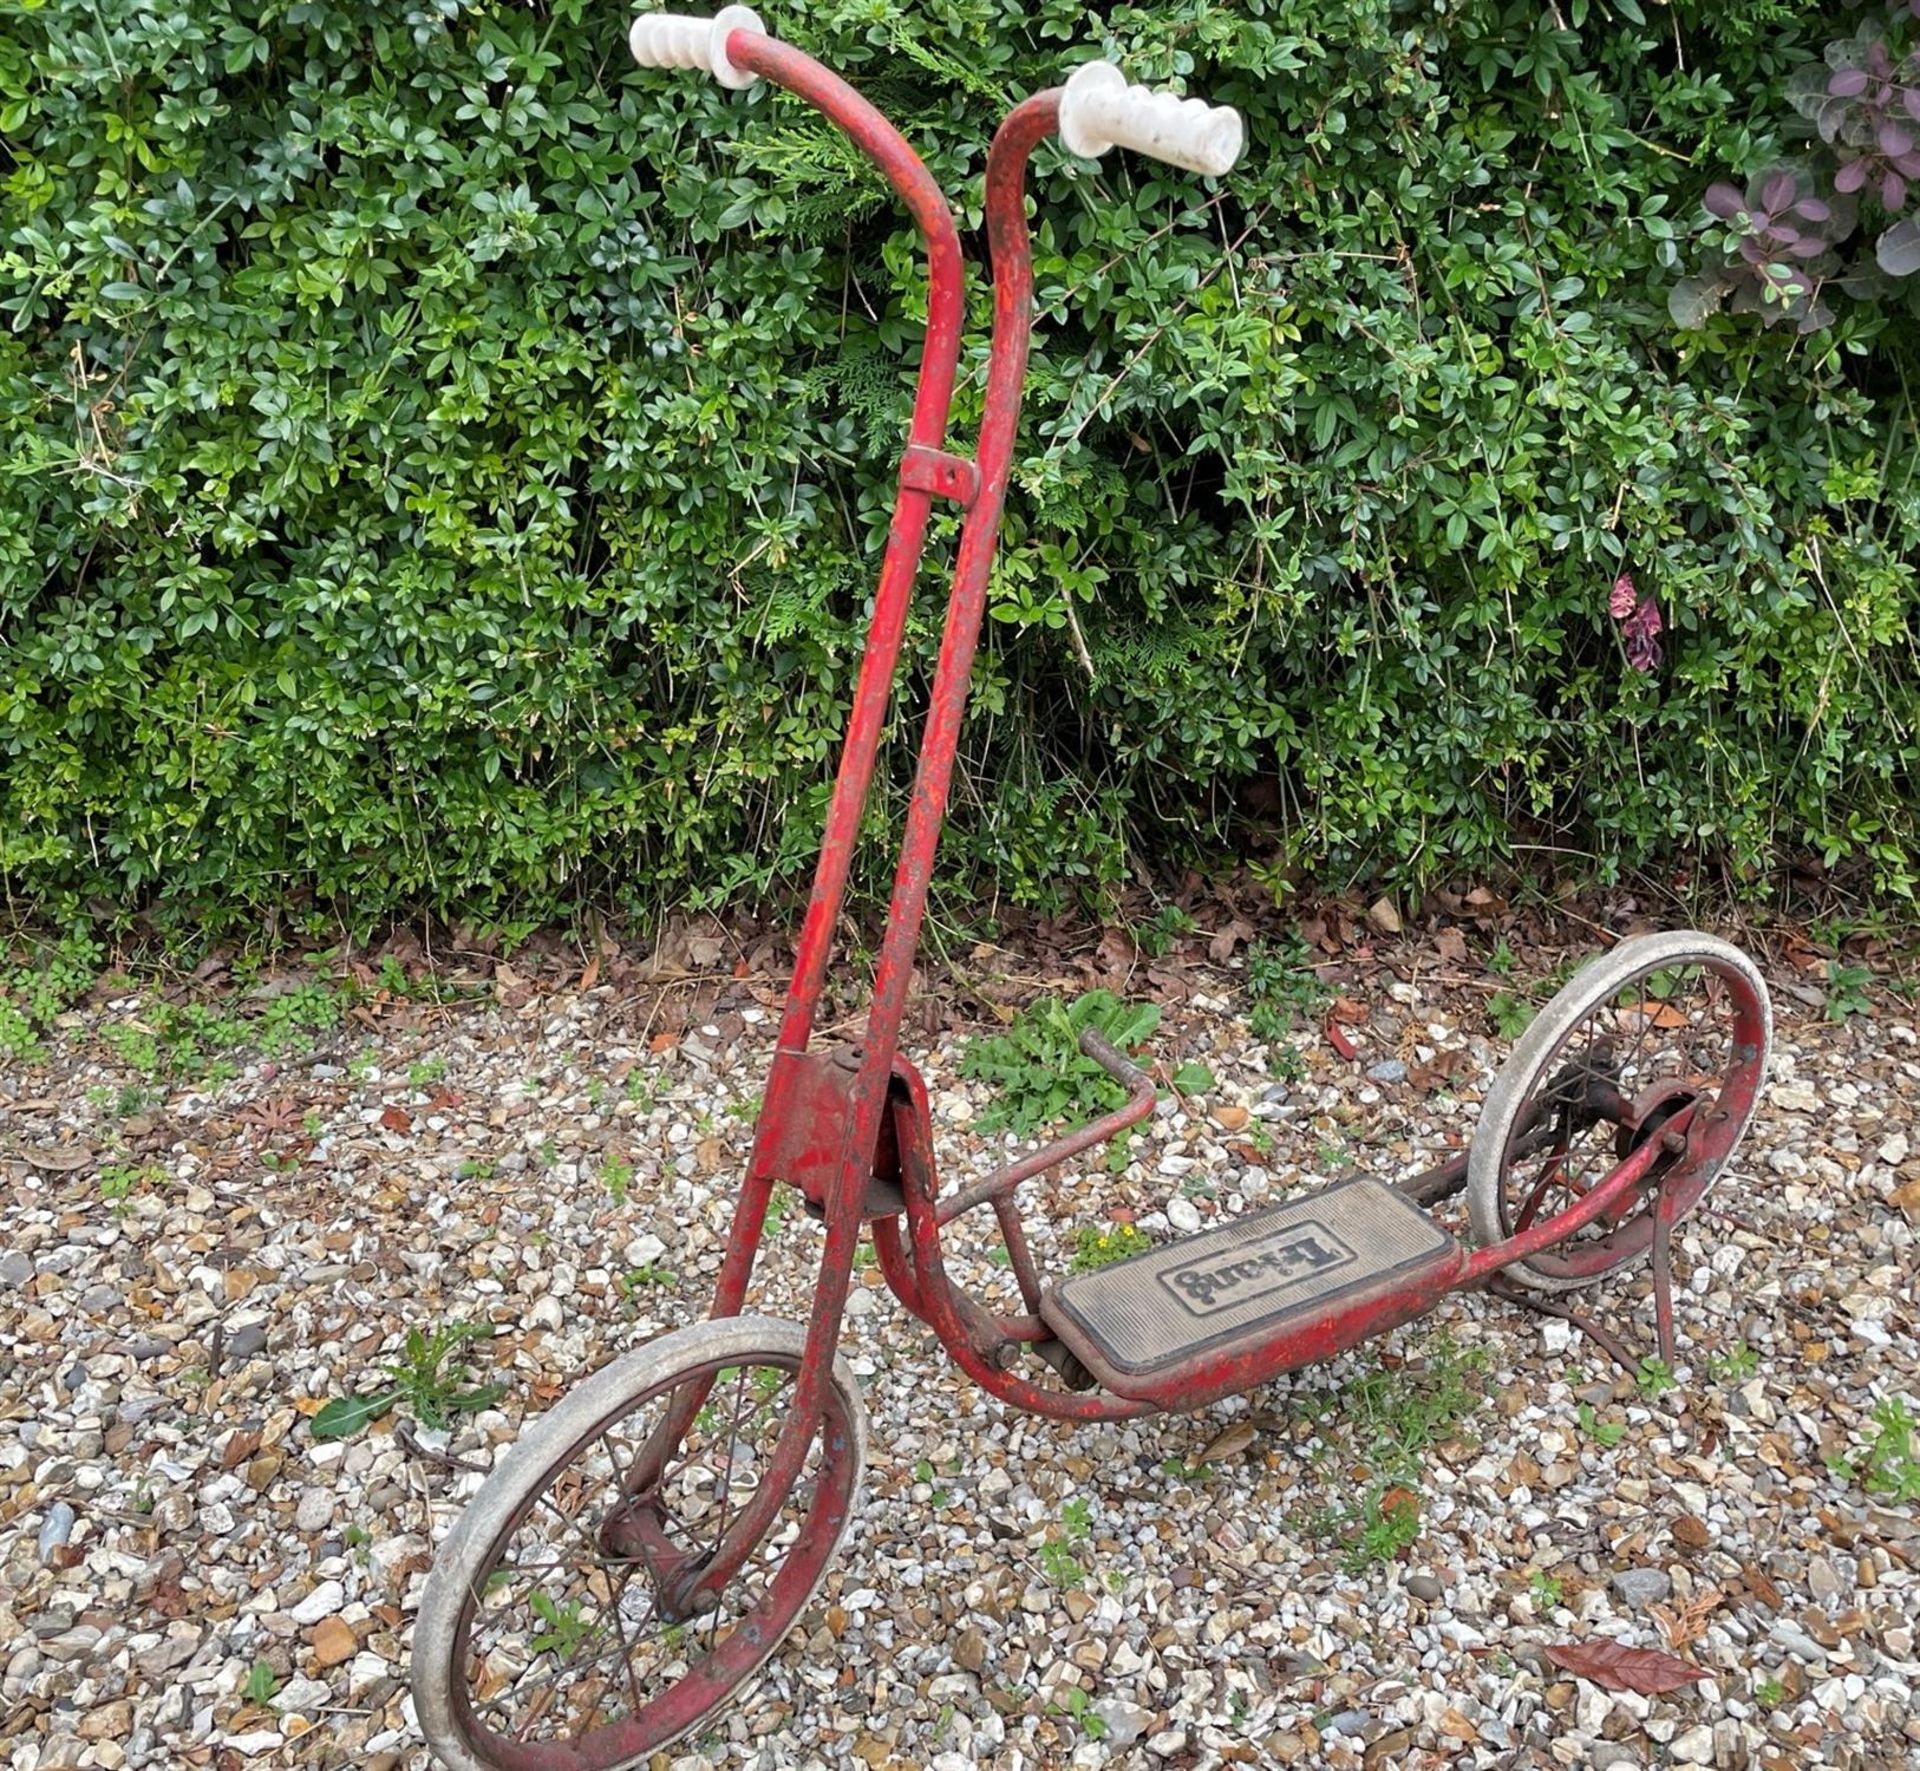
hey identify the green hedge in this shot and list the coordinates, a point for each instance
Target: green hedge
(444, 466)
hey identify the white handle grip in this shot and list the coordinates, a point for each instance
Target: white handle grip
(673, 40)
(1099, 110)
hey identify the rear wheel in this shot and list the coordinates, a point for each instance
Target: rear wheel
(1661, 1023)
(549, 1635)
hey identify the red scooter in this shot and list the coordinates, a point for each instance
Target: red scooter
(643, 1548)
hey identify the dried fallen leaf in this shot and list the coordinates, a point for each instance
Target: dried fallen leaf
(1229, 1443)
(1382, 914)
(396, 1119)
(1339, 1041)
(1683, 1625)
(1690, 1533)
(1447, 1067)
(1451, 945)
(1399, 1501)
(1220, 948)
(1617, 1668)
(60, 1159)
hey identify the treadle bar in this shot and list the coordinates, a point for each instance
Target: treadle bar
(1185, 1324)
(1140, 1098)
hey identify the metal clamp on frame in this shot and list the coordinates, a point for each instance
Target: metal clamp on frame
(939, 474)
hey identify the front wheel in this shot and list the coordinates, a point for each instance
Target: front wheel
(1661, 1023)
(547, 1635)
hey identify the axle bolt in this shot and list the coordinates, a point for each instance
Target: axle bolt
(1673, 1142)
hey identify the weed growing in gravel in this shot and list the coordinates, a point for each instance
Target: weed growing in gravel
(1057, 1560)
(119, 1180)
(54, 977)
(1285, 1063)
(1038, 1069)
(1076, 1703)
(426, 1072)
(1094, 1247)
(1733, 1367)
(1509, 1015)
(1769, 1693)
(643, 1088)
(1386, 1422)
(923, 1471)
(1193, 1079)
(1156, 936)
(19, 1040)
(261, 1684)
(1388, 1525)
(1602, 1432)
(567, 1630)
(616, 1175)
(289, 1021)
(651, 1277)
(1059, 1564)
(1655, 1378)
(1545, 1591)
(1847, 990)
(1282, 987)
(1889, 1463)
(431, 1380)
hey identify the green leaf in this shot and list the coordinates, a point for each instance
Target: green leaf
(1193, 1079)
(347, 1415)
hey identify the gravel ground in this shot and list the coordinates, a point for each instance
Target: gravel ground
(189, 1269)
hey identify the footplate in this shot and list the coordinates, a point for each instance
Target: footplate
(1184, 1324)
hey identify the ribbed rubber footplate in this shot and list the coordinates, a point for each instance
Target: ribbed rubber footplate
(1248, 1278)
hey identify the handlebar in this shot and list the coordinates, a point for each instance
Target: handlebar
(673, 40)
(1099, 110)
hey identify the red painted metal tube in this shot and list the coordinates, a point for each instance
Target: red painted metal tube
(955, 1318)
(1026, 126)
(1003, 1181)
(888, 150)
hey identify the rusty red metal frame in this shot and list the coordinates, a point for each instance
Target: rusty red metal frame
(849, 1127)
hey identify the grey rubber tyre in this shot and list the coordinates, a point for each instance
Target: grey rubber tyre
(467, 1556)
(1539, 1052)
